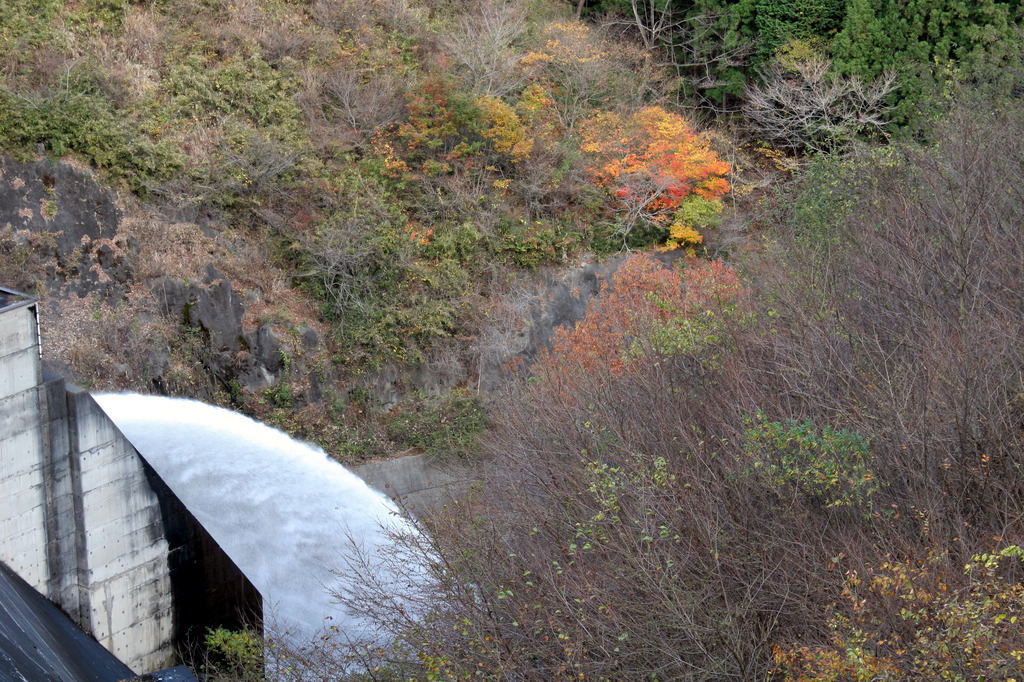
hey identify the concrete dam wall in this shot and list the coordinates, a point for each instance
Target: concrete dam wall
(88, 524)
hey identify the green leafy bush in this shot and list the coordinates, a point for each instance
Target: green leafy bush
(234, 654)
(830, 467)
(450, 427)
(246, 87)
(529, 245)
(81, 121)
(29, 24)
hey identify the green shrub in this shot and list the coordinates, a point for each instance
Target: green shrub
(529, 245)
(456, 243)
(78, 119)
(280, 395)
(828, 467)
(448, 428)
(779, 21)
(29, 24)
(248, 88)
(927, 44)
(234, 653)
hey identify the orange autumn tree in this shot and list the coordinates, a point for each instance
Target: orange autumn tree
(647, 309)
(657, 169)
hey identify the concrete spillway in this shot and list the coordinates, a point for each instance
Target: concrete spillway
(281, 509)
(38, 643)
(86, 522)
(91, 525)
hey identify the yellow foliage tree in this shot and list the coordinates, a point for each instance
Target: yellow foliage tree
(923, 622)
(574, 66)
(504, 129)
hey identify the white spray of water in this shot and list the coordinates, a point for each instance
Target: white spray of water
(280, 509)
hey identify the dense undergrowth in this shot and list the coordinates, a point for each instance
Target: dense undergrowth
(805, 466)
(400, 164)
(402, 160)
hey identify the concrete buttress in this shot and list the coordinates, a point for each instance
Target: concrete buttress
(87, 523)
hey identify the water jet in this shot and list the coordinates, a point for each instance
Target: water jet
(281, 509)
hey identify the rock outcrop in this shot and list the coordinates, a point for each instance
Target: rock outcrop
(73, 227)
(69, 225)
(74, 222)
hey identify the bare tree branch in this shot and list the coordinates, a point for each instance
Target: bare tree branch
(809, 107)
(484, 44)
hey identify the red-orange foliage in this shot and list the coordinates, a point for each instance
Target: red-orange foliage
(652, 160)
(710, 285)
(643, 296)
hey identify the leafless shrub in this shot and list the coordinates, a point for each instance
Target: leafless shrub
(552, 179)
(24, 256)
(577, 559)
(353, 16)
(616, 534)
(177, 250)
(810, 107)
(485, 43)
(310, 99)
(619, 529)
(400, 16)
(232, 165)
(285, 37)
(656, 23)
(255, 167)
(364, 100)
(340, 16)
(47, 69)
(344, 257)
(341, 258)
(504, 332)
(912, 324)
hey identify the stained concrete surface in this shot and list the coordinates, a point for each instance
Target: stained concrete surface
(413, 482)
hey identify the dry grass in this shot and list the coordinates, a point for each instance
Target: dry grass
(179, 250)
(143, 31)
(103, 347)
(183, 251)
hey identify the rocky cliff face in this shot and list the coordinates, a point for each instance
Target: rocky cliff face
(64, 237)
(69, 222)
(132, 300)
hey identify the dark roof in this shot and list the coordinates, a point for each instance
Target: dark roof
(178, 674)
(40, 644)
(9, 297)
